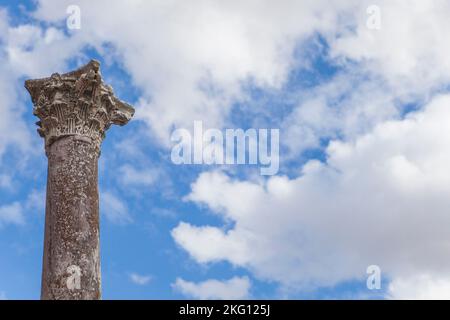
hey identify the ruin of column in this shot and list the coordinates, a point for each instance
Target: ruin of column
(75, 110)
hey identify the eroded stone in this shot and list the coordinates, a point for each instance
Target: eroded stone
(75, 110)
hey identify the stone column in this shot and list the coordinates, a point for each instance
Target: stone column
(75, 110)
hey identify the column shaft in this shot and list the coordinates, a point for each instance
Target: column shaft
(75, 109)
(71, 266)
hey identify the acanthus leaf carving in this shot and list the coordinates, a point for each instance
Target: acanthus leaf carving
(76, 103)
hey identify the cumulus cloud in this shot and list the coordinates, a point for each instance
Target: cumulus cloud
(114, 209)
(346, 106)
(11, 214)
(234, 288)
(380, 71)
(26, 50)
(409, 50)
(195, 68)
(36, 201)
(191, 59)
(422, 286)
(132, 176)
(378, 200)
(5, 181)
(13, 131)
(140, 279)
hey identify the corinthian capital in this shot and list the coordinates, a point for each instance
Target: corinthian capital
(76, 103)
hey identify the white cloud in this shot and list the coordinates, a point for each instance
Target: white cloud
(131, 176)
(190, 60)
(140, 279)
(195, 67)
(423, 287)
(410, 50)
(25, 51)
(379, 200)
(13, 131)
(346, 106)
(114, 209)
(209, 244)
(4, 21)
(36, 201)
(3, 295)
(11, 214)
(232, 289)
(5, 181)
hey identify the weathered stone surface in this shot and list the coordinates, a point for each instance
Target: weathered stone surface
(76, 103)
(71, 266)
(75, 110)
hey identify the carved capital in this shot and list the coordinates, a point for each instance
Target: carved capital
(77, 103)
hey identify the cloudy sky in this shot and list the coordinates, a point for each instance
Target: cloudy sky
(360, 91)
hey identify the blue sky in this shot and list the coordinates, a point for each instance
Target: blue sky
(362, 114)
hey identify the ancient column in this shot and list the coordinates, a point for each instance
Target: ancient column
(75, 110)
